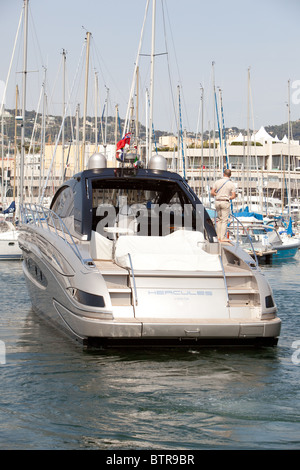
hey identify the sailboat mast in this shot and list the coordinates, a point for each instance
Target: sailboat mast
(137, 111)
(214, 121)
(125, 129)
(106, 116)
(116, 126)
(76, 163)
(202, 131)
(88, 36)
(289, 148)
(15, 154)
(178, 129)
(248, 137)
(152, 77)
(96, 111)
(24, 100)
(147, 130)
(43, 137)
(2, 159)
(63, 117)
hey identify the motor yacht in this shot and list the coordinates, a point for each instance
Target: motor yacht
(128, 256)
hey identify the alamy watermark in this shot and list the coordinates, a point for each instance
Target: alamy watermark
(296, 93)
(296, 354)
(2, 93)
(157, 219)
(2, 352)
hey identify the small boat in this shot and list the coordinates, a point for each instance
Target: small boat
(129, 257)
(267, 206)
(9, 247)
(292, 209)
(268, 243)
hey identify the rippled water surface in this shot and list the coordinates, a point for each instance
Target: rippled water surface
(54, 395)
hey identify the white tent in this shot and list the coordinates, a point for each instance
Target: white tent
(262, 136)
(239, 138)
(285, 140)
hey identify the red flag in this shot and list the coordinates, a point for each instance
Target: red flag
(126, 140)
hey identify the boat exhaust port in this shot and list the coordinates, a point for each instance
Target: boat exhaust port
(192, 333)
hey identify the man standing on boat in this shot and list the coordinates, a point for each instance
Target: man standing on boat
(223, 191)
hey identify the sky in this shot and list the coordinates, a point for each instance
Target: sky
(254, 46)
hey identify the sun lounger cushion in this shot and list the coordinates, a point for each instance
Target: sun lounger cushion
(181, 250)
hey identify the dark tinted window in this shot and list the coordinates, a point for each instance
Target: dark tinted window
(63, 205)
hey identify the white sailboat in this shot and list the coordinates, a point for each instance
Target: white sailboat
(9, 247)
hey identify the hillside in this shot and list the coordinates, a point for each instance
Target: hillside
(282, 130)
(53, 124)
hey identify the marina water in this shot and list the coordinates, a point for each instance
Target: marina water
(55, 395)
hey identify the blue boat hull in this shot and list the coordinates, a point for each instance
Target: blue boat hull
(284, 252)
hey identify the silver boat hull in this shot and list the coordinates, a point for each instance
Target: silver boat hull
(171, 309)
(130, 256)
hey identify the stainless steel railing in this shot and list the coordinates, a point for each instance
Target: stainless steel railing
(237, 225)
(133, 278)
(40, 216)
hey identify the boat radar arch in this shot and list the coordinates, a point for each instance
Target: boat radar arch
(97, 161)
(158, 162)
(133, 159)
(130, 157)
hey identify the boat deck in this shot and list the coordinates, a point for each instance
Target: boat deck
(110, 267)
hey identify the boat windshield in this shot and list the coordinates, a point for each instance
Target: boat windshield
(4, 226)
(137, 192)
(157, 207)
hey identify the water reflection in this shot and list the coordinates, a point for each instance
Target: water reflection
(54, 394)
(139, 399)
